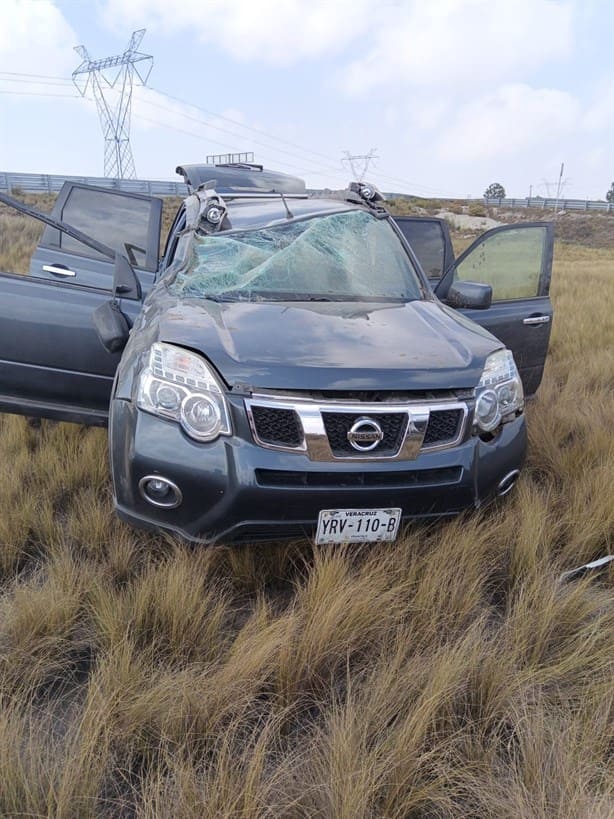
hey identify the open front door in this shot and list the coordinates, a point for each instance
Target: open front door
(516, 261)
(52, 363)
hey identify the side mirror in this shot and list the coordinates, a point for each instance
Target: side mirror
(470, 295)
(110, 323)
(112, 326)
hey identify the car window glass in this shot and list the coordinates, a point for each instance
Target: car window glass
(508, 260)
(118, 221)
(347, 255)
(427, 241)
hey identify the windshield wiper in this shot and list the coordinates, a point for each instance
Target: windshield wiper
(216, 299)
(225, 297)
(306, 298)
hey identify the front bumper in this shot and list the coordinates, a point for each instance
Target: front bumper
(234, 490)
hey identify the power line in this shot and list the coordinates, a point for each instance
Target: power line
(36, 79)
(166, 125)
(395, 179)
(319, 168)
(43, 76)
(207, 124)
(200, 121)
(34, 82)
(313, 164)
(246, 127)
(37, 94)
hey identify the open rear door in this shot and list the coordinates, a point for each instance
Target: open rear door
(516, 261)
(52, 363)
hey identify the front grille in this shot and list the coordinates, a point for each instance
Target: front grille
(443, 426)
(338, 424)
(276, 426)
(284, 424)
(342, 480)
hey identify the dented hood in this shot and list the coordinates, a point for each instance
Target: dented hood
(418, 345)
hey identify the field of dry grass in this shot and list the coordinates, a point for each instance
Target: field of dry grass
(448, 675)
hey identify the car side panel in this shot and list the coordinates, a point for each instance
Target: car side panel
(528, 342)
(94, 273)
(52, 363)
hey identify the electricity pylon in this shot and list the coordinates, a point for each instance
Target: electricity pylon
(359, 163)
(111, 80)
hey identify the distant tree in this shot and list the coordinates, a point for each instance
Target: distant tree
(494, 191)
(609, 197)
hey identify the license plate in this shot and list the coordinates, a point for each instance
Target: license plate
(357, 525)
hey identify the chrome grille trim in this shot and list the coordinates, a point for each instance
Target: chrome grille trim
(315, 442)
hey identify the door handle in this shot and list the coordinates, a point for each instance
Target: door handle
(58, 270)
(536, 320)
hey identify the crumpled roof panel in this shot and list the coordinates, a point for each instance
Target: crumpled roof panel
(241, 179)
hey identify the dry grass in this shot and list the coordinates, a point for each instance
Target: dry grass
(18, 237)
(448, 675)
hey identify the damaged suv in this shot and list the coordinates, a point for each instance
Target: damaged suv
(287, 367)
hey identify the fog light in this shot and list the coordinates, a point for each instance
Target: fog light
(160, 491)
(157, 489)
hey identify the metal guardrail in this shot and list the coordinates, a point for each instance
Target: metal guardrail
(51, 183)
(550, 204)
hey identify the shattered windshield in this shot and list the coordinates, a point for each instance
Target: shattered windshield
(345, 256)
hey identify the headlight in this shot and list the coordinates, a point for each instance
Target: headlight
(499, 393)
(179, 385)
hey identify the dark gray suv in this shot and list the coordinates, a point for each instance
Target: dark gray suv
(287, 366)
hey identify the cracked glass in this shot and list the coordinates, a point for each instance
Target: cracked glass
(344, 256)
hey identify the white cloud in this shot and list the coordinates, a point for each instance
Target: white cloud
(456, 43)
(35, 38)
(508, 121)
(268, 30)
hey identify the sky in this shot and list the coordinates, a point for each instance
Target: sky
(451, 95)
